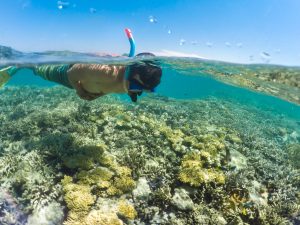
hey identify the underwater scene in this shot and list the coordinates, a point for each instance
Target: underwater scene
(216, 143)
(149, 112)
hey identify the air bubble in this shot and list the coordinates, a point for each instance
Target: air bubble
(239, 45)
(209, 44)
(152, 19)
(93, 10)
(25, 4)
(265, 56)
(62, 5)
(182, 42)
(167, 29)
(228, 44)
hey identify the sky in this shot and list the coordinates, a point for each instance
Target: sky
(242, 31)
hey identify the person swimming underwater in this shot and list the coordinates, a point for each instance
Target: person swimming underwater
(92, 81)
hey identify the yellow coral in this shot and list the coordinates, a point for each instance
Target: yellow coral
(78, 161)
(75, 218)
(212, 144)
(194, 155)
(194, 176)
(112, 190)
(191, 163)
(236, 201)
(174, 136)
(96, 176)
(121, 185)
(190, 139)
(97, 217)
(123, 171)
(126, 210)
(66, 180)
(103, 184)
(77, 197)
(124, 183)
(110, 179)
(193, 172)
(220, 178)
(107, 160)
(205, 155)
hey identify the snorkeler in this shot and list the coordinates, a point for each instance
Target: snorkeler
(95, 80)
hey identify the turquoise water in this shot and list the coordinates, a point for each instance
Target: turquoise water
(191, 85)
(198, 151)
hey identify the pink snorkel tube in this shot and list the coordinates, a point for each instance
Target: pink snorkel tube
(131, 41)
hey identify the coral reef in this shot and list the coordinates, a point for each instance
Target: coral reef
(182, 200)
(126, 210)
(77, 197)
(197, 168)
(52, 214)
(161, 161)
(99, 218)
(10, 212)
(112, 180)
(293, 151)
(280, 81)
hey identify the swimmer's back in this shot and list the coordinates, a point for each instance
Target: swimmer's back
(98, 78)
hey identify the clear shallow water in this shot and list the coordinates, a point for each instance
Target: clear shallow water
(217, 144)
(186, 78)
(176, 84)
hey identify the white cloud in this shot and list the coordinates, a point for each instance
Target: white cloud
(169, 53)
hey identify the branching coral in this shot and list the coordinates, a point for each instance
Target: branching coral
(30, 177)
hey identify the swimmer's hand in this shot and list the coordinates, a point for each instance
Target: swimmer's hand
(83, 94)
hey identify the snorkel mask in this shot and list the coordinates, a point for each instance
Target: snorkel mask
(136, 85)
(136, 88)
